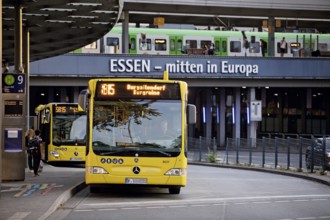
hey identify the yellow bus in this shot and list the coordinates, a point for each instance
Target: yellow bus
(137, 132)
(63, 131)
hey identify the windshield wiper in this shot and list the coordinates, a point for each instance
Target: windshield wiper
(125, 150)
(164, 153)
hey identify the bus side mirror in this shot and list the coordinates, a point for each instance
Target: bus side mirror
(191, 114)
(83, 99)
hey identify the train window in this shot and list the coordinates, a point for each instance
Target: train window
(205, 42)
(91, 46)
(323, 46)
(217, 45)
(112, 41)
(172, 44)
(160, 44)
(191, 43)
(180, 45)
(254, 47)
(279, 47)
(145, 44)
(148, 44)
(224, 46)
(235, 46)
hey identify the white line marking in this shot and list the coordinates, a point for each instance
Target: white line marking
(168, 202)
(264, 202)
(199, 205)
(156, 207)
(131, 208)
(19, 216)
(107, 209)
(306, 218)
(178, 206)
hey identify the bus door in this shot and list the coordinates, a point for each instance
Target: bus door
(176, 45)
(44, 127)
(132, 44)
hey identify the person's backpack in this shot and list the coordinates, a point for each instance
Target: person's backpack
(34, 145)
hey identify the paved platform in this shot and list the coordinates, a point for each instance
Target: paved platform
(37, 197)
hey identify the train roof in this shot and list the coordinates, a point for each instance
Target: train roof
(238, 34)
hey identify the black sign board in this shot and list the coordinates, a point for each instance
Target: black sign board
(13, 108)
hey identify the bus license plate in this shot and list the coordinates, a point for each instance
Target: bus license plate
(135, 181)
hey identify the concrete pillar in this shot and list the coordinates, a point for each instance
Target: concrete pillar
(18, 38)
(125, 34)
(252, 127)
(208, 113)
(26, 65)
(271, 37)
(237, 112)
(14, 124)
(1, 109)
(221, 135)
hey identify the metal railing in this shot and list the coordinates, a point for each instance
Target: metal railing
(280, 153)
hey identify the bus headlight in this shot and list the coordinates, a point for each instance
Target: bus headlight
(54, 153)
(176, 172)
(96, 170)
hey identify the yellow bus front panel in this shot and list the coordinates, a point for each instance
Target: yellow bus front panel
(135, 170)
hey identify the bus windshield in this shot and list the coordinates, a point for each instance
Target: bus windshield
(150, 128)
(69, 130)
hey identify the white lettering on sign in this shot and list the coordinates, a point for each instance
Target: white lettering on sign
(184, 67)
(129, 66)
(248, 69)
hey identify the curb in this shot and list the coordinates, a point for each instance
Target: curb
(266, 170)
(64, 197)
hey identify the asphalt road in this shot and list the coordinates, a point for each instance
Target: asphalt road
(211, 193)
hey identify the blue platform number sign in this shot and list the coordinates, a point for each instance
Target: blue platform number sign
(13, 83)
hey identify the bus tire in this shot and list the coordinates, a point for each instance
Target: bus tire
(174, 189)
(94, 189)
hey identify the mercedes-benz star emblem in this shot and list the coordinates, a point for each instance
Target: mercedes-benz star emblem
(136, 170)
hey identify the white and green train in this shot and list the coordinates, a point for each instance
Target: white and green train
(227, 43)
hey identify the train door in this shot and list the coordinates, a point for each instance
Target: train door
(220, 44)
(132, 44)
(176, 46)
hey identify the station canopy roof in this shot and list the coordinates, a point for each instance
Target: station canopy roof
(57, 26)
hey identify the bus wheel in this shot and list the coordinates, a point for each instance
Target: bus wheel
(174, 189)
(94, 189)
